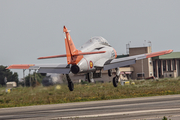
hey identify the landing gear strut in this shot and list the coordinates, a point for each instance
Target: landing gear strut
(90, 77)
(116, 78)
(70, 83)
(110, 72)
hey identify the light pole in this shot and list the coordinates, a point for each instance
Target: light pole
(127, 47)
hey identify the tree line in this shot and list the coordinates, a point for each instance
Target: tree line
(8, 76)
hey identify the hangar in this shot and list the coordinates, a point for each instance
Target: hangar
(167, 65)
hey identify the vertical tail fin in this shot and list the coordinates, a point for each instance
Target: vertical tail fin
(70, 47)
(73, 55)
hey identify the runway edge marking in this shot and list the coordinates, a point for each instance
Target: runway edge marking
(117, 113)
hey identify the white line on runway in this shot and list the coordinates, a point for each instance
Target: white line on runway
(90, 108)
(117, 113)
(112, 106)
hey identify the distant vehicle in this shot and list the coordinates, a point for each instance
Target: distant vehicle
(95, 55)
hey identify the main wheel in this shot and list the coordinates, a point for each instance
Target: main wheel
(71, 86)
(110, 72)
(88, 78)
(115, 81)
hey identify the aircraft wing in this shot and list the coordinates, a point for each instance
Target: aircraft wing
(120, 62)
(43, 68)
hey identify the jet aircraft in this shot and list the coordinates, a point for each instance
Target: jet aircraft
(95, 55)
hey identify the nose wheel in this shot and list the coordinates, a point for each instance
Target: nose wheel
(115, 81)
(116, 78)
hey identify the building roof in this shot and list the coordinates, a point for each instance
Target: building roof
(173, 55)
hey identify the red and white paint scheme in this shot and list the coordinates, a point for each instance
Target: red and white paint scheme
(95, 54)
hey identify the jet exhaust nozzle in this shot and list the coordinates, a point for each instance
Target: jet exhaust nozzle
(75, 69)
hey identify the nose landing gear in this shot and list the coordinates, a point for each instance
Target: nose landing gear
(116, 78)
(115, 81)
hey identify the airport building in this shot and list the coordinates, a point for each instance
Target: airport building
(157, 67)
(167, 65)
(142, 68)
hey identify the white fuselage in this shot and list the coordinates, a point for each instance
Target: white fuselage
(95, 61)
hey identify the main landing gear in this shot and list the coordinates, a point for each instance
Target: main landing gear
(70, 83)
(116, 78)
(110, 72)
(90, 77)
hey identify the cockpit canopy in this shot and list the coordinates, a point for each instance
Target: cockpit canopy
(100, 40)
(94, 40)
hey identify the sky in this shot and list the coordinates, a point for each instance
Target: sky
(34, 28)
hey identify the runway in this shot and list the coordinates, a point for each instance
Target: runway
(149, 108)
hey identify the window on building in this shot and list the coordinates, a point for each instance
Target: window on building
(150, 73)
(164, 65)
(140, 75)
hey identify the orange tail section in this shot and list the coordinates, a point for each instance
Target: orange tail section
(73, 55)
(71, 49)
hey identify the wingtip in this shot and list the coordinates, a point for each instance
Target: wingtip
(8, 67)
(159, 53)
(170, 51)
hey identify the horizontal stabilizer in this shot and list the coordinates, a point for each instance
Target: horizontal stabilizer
(55, 56)
(76, 54)
(89, 53)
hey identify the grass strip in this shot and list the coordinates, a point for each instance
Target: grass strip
(87, 92)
